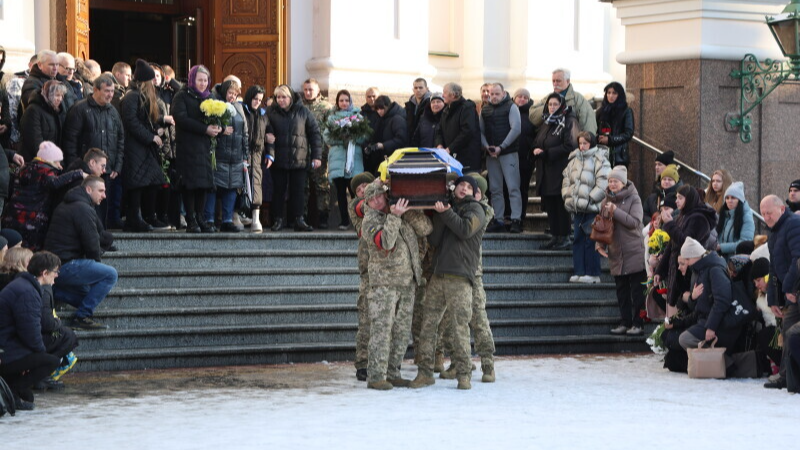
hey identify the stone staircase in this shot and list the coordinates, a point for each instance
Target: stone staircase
(187, 300)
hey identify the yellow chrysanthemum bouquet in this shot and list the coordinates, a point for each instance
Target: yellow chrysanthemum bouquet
(216, 113)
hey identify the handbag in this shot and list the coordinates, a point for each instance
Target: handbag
(706, 362)
(244, 199)
(603, 227)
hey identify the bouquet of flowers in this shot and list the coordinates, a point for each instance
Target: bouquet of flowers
(655, 342)
(348, 127)
(217, 113)
(658, 240)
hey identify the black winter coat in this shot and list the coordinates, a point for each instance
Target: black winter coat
(551, 164)
(75, 229)
(39, 123)
(392, 132)
(90, 125)
(142, 166)
(696, 224)
(414, 112)
(653, 202)
(784, 250)
(231, 153)
(33, 83)
(193, 159)
(371, 116)
(713, 304)
(425, 134)
(526, 136)
(461, 133)
(297, 136)
(619, 134)
(21, 318)
(6, 156)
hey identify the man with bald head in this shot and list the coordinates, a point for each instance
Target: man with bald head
(784, 251)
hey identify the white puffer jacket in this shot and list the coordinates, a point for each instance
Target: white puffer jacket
(585, 180)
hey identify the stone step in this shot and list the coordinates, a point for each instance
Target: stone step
(290, 240)
(274, 259)
(209, 356)
(320, 295)
(319, 276)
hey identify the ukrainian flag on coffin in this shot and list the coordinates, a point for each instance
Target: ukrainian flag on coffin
(452, 164)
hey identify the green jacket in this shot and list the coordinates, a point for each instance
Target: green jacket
(457, 235)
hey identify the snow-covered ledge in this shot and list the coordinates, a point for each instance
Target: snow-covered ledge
(670, 30)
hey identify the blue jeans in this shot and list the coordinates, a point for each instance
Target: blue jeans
(585, 258)
(84, 283)
(228, 198)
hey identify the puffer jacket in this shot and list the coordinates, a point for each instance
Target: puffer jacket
(39, 123)
(21, 318)
(393, 249)
(585, 180)
(392, 132)
(460, 131)
(456, 237)
(712, 272)
(90, 125)
(232, 151)
(727, 240)
(626, 252)
(784, 250)
(297, 136)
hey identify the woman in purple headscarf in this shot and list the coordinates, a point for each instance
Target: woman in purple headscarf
(193, 147)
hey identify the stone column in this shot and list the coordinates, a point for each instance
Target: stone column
(679, 56)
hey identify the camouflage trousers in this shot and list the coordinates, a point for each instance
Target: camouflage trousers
(446, 293)
(318, 179)
(362, 335)
(389, 328)
(479, 325)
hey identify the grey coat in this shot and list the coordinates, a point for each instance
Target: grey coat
(626, 252)
(231, 153)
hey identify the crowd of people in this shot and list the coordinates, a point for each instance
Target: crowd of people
(133, 149)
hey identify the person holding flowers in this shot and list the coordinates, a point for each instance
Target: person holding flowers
(193, 140)
(346, 131)
(297, 142)
(626, 252)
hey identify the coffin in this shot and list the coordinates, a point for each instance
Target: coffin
(420, 177)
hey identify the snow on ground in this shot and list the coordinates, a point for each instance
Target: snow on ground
(585, 402)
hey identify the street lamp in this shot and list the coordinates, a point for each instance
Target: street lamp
(757, 80)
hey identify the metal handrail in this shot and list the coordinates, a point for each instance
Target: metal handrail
(691, 169)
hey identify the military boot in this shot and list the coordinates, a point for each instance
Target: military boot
(381, 385)
(449, 374)
(422, 380)
(438, 364)
(488, 373)
(399, 382)
(464, 383)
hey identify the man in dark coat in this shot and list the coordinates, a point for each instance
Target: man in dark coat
(45, 70)
(367, 110)
(25, 358)
(416, 104)
(75, 235)
(784, 251)
(122, 78)
(459, 132)
(390, 134)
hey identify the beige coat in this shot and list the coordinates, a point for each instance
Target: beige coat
(626, 252)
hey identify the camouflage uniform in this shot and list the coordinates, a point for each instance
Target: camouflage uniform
(456, 237)
(356, 211)
(481, 330)
(319, 177)
(394, 269)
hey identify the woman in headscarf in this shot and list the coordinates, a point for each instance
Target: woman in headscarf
(615, 124)
(145, 128)
(193, 147)
(555, 140)
(339, 172)
(43, 120)
(297, 142)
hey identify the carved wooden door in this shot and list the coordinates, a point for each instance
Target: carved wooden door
(78, 28)
(248, 43)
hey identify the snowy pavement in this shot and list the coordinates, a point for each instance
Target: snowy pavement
(569, 402)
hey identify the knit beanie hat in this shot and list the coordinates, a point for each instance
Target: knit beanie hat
(760, 268)
(666, 158)
(736, 190)
(619, 173)
(11, 236)
(737, 263)
(50, 152)
(745, 247)
(143, 71)
(437, 96)
(671, 172)
(374, 189)
(795, 184)
(692, 249)
(482, 184)
(671, 200)
(470, 180)
(358, 180)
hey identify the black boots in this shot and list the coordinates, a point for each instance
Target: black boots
(301, 225)
(278, 225)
